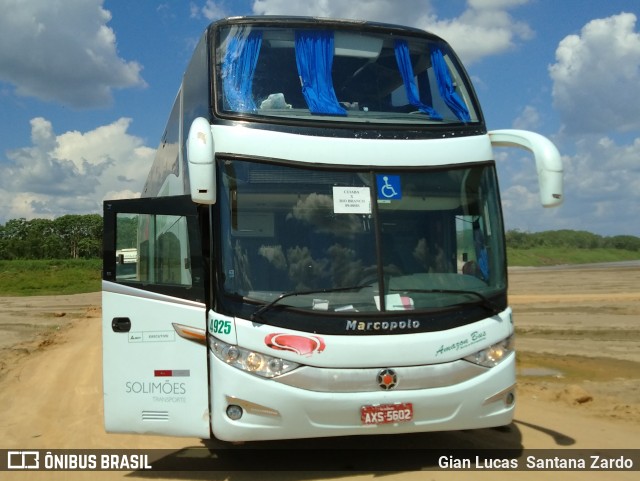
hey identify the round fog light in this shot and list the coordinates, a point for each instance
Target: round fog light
(234, 412)
(509, 399)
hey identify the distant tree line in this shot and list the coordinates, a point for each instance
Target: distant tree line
(80, 236)
(574, 239)
(67, 237)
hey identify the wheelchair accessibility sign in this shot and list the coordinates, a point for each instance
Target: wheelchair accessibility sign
(388, 187)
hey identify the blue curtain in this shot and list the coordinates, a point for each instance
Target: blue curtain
(406, 71)
(314, 57)
(481, 250)
(445, 86)
(238, 69)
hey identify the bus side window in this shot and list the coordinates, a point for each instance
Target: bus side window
(152, 250)
(128, 262)
(168, 265)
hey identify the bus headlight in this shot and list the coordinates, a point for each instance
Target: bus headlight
(493, 355)
(250, 361)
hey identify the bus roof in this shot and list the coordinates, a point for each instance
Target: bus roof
(338, 23)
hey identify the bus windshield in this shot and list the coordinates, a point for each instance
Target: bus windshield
(335, 241)
(340, 75)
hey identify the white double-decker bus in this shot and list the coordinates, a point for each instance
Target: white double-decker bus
(319, 247)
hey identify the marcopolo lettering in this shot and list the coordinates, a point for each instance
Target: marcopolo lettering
(383, 326)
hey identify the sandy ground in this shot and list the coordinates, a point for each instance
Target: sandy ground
(579, 382)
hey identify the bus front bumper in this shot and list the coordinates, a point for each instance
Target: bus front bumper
(270, 410)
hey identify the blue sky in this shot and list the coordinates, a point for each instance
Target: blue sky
(86, 87)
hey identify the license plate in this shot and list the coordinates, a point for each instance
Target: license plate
(386, 413)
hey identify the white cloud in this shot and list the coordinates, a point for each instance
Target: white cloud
(596, 75)
(603, 183)
(212, 10)
(601, 187)
(484, 28)
(404, 12)
(62, 52)
(72, 172)
(604, 170)
(496, 4)
(529, 119)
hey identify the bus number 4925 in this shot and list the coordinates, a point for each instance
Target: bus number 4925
(220, 327)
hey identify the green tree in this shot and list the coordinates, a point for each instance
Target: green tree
(70, 236)
(14, 233)
(75, 229)
(627, 242)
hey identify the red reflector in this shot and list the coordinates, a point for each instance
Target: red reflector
(172, 373)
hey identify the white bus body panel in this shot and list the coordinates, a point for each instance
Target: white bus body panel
(274, 410)
(284, 412)
(391, 350)
(378, 152)
(306, 413)
(155, 382)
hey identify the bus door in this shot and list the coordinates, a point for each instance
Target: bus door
(154, 318)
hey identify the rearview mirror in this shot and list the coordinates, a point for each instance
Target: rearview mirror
(201, 158)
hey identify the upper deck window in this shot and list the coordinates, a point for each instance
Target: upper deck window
(340, 75)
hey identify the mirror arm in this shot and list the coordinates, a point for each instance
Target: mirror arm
(547, 157)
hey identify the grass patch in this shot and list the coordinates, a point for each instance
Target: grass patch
(75, 276)
(50, 277)
(552, 256)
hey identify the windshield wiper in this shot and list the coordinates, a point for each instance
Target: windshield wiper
(486, 302)
(262, 309)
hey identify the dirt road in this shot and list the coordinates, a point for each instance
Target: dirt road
(579, 384)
